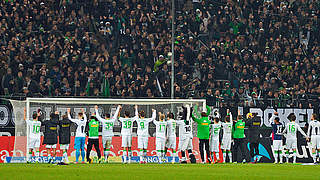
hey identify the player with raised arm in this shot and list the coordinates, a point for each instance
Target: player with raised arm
(215, 128)
(93, 139)
(161, 127)
(64, 136)
(80, 137)
(314, 132)
(171, 136)
(227, 137)
(185, 136)
(126, 133)
(291, 136)
(143, 134)
(107, 130)
(277, 128)
(34, 136)
(203, 132)
(51, 136)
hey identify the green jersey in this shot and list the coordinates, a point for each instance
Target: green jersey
(238, 129)
(94, 129)
(203, 131)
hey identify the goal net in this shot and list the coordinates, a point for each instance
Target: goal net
(50, 105)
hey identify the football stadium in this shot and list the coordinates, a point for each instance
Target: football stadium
(179, 89)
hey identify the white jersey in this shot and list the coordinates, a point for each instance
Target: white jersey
(171, 129)
(160, 128)
(227, 130)
(185, 131)
(143, 124)
(107, 124)
(314, 128)
(34, 129)
(215, 130)
(127, 124)
(81, 125)
(291, 130)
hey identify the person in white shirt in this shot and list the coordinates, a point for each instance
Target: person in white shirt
(161, 127)
(185, 136)
(143, 134)
(126, 134)
(171, 136)
(314, 132)
(291, 136)
(227, 137)
(107, 130)
(215, 128)
(34, 136)
(80, 137)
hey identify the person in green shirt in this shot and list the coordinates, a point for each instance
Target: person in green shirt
(239, 137)
(93, 139)
(203, 132)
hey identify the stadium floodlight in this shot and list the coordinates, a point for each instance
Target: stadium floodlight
(49, 105)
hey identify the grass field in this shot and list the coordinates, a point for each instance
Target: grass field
(155, 171)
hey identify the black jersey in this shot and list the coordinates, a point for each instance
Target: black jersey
(50, 130)
(64, 131)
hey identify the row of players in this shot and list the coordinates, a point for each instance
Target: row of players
(165, 135)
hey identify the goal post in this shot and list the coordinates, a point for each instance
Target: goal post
(49, 105)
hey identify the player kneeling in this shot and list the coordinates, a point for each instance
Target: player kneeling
(107, 130)
(34, 135)
(161, 126)
(214, 139)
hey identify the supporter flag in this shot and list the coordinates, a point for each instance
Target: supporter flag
(105, 87)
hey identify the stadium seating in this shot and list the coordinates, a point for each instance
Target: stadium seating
(250, 52)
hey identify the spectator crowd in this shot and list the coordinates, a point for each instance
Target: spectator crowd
(250, 52)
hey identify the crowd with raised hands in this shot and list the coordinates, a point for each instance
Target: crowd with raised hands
(229, 52)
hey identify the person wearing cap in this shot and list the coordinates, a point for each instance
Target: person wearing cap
(159, 63)
(203, 132)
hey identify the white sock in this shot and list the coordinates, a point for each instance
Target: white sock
(124, 156)
(159, 154)
(276, 156)
(294, 157)
(218, 155)
(230, 156)
(281, 156)
(29, 156)
(65, 155)
(314, 157)
(224, 156)
(141, 155)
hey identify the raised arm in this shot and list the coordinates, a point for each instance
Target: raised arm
(154, 114)
(208, 110)
(274, 115)
(136, 111)
(116, 114)
(98, 115)
(69, 116)
(84, 115)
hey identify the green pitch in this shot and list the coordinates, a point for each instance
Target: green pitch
(156, 171)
